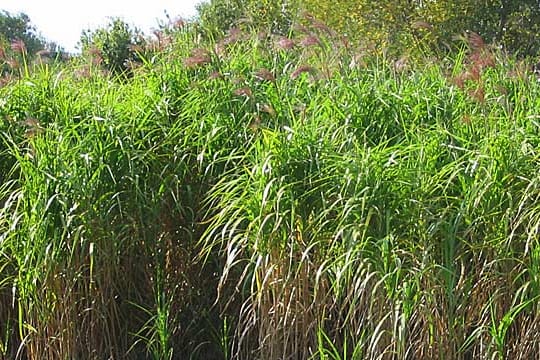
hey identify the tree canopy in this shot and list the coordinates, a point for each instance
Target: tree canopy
(218, 16)
(114, 45)
(19, 28)
(392, 24)
(512, 24)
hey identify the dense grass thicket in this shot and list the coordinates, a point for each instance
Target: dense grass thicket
(268, 198)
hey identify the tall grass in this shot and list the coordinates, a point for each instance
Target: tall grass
(271, 198)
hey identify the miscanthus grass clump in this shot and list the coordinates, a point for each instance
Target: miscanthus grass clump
(268, 197)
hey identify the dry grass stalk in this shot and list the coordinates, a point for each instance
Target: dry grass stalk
(199, 57)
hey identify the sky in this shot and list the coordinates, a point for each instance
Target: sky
(62, 21)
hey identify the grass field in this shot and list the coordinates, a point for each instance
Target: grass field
(271, 198)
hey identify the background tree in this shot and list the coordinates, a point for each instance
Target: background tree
(275, 16)
(20, 44)
(114, 45)
(19, 27)
(519, 26)
(513, 24)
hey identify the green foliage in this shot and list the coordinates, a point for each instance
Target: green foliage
(114, 45)
(385, 23)
(513, 24)
(519, 29)
(274, 16)
(220, 15)
(19, 27)
(272, 198)
(400, 24)
(20, 45)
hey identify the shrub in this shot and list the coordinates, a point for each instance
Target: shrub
(218, 16)
(113, 46)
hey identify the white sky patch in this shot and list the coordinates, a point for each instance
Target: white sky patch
(62, 21)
